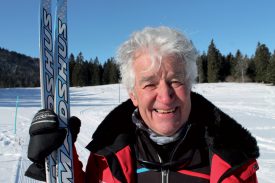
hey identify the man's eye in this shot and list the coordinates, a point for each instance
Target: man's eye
(149, 86)
(175, 84)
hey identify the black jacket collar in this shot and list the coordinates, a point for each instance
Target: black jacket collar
(223, 134)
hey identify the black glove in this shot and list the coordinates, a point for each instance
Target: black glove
(45, 137)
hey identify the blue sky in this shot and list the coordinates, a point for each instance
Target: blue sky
(98, 27)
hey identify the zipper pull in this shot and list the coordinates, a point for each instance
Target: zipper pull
(164, 175)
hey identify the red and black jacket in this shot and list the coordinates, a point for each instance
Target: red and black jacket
(214, 149)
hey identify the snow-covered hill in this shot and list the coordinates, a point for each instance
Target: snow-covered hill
(253, 105)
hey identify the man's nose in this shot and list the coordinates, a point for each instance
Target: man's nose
(165, 93)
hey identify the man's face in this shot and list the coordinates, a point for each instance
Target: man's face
(160, 94)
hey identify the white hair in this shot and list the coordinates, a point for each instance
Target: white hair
(166, 42)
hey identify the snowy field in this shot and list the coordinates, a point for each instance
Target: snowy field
(253, 105)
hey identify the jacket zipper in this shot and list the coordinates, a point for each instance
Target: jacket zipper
(165, 173)
(164, 176)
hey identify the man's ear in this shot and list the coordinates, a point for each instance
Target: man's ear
(133, 98)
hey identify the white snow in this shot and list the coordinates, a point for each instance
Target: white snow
(252, 105)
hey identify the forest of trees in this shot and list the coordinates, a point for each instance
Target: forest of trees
(92, 72)
(18, 70)
(215, 67)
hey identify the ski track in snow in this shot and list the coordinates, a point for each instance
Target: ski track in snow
(252, 105)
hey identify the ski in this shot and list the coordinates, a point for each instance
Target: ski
(47, 74)
(62, 99)
(54, 76)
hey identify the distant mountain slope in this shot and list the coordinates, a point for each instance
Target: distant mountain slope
(18, 70)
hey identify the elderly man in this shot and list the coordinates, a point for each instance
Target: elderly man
(165, 132)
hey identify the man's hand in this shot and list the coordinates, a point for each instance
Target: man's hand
(45, 137)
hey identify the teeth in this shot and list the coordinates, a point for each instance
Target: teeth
(165, 111)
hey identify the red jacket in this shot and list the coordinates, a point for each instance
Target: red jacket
(232, 158)
(99, 171)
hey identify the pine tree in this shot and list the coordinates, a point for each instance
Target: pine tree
(251, 70)
(262, 57)
(110, 72)
(202, 68)
(71, 67)
(271, 69)
(214, 63)
(227, 65)
(240, 67)
(77, 73)
(86, 73)
(95, 70)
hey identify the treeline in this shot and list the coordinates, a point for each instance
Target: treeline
(19, 70)
(215, 67)
(92, 72)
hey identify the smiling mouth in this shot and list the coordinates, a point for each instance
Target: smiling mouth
(162, 111)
